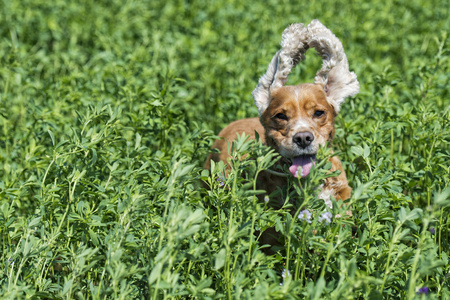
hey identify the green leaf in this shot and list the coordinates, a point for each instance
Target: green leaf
(357, 150)
(156, 103)
(67, 285)
(156, 273)
(94, 237)
(366, 152)
(138, 141)
(220, 259)
(52, 136)
(94, 157)
(34, 222)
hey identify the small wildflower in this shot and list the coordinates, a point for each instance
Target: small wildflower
(266, 199)
(298, 173)
(220, 181)
(423, 291)
(285, 274)
(305, 215)
(432, 231)
(325, 217)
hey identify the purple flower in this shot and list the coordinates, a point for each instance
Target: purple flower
(305, 215)
(325, 217)
(432, 230)
(221, 181)
(285, 274)
(423, 291)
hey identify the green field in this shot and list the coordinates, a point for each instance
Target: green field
(108, 110)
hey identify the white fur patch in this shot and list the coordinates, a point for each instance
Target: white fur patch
(293, 48)
(338, 81)
(325, 195)
(301, 125)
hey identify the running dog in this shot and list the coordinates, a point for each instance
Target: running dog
(296, 120)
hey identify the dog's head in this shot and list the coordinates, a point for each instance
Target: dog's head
(298, 119)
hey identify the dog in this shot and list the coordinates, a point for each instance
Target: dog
(296, 120)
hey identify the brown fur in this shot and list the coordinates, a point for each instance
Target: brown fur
(296, 120)
(298, 103)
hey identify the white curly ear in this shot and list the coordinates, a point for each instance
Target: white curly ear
(339, 83)
(293, 48)
(261, 93)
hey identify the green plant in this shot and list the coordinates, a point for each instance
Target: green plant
(107, 113)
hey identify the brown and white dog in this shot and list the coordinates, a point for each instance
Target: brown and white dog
(297, 120)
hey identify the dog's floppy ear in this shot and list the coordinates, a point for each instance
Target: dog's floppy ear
(261, 93)
(339, 83)
(293, 48)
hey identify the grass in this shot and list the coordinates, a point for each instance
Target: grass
(107, 113)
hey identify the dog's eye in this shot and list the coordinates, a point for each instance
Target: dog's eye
(281, 116)
(319, 113)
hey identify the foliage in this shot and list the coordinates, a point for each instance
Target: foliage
(107, 113)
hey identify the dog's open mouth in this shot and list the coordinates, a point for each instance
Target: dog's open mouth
(301, 165)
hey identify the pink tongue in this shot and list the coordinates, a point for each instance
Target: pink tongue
(301, 165)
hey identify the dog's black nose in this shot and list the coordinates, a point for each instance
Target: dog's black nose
(303, 139)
